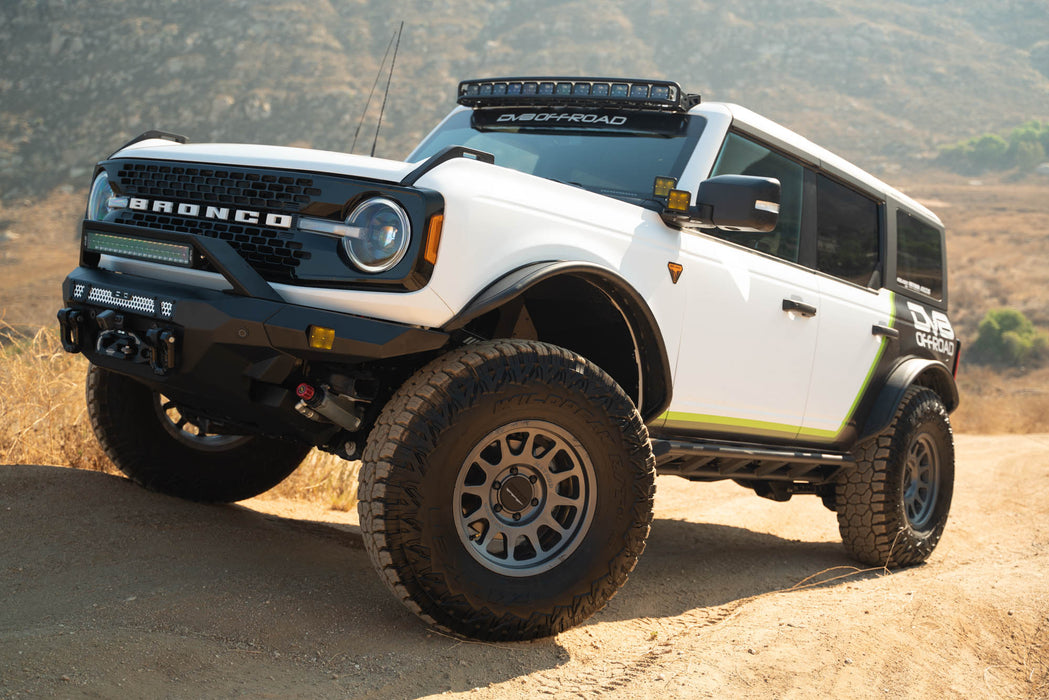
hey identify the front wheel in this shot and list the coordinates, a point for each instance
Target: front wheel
(506, 490)
(157, 445)
(892, 507)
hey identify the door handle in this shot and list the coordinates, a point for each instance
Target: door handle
(799, 307)
(890, 333)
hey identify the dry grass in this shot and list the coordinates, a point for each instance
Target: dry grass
(45, 421)
(1009, 401)
(42, 404)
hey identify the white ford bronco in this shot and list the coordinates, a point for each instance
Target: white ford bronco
(570, 286)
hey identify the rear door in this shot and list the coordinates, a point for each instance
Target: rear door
(856, 313)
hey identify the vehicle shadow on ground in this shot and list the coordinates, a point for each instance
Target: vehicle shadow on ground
(688, 566)
(297, 599)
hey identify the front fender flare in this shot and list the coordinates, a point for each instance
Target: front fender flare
(648, 340)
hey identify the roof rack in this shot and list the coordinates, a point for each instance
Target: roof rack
(627, 93)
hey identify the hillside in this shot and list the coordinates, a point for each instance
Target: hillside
(882, 84)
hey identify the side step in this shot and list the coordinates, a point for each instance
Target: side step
(713, 461)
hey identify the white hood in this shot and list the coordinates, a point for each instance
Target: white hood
(279, 157)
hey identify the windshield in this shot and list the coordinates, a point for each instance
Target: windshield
(618, 154)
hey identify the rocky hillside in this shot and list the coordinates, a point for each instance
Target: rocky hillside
(883, 83)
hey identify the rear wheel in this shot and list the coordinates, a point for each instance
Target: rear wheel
(158, 445)
(892, 508)
(506, 490)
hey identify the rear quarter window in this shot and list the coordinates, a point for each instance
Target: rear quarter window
(919, 256)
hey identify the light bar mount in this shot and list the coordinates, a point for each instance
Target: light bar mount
(552, 91)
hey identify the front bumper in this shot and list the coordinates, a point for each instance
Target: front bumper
(232, 357)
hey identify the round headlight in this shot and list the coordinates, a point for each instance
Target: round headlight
(382, 236)
(98, 201)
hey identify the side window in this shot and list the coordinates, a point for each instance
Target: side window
(919, 256)
(846, 232)
(740, 156)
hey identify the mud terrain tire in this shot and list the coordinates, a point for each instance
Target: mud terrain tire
(506, 490)
(893, 506)
(125, 417)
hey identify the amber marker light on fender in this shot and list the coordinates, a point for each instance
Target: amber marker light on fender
(321, 338)
(675, 271)
(433, 238)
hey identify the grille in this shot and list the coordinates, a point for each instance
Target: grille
(243, 188)
(272, 252)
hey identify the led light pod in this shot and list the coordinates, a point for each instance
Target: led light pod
(381, 234)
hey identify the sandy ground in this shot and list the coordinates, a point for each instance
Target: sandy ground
(107, 590)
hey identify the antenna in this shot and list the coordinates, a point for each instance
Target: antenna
(393, 62)
(368, 102)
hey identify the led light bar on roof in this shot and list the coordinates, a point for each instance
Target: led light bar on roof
(589, 92)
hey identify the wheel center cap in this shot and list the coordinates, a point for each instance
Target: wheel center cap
(516, 494)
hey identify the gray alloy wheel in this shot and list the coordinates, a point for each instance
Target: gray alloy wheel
(921, 478)
(524, 498)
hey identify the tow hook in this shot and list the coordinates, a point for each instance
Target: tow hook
(318, 400)
(71, 329)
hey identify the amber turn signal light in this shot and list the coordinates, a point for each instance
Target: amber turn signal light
(321, 338)
(433, 238)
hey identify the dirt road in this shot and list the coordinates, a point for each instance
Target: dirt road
(107, 590)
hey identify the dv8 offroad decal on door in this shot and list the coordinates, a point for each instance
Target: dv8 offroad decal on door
(932, 335)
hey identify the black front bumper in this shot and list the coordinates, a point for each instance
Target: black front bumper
(230, 356)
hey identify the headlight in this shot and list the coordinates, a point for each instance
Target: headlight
(381, 236)
(103, 199)
(98, 202)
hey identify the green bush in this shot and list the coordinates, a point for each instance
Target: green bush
(1023, 148)
(1007, 338)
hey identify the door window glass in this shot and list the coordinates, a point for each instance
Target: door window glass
(847, 233)
(919, 261)
(740, 156)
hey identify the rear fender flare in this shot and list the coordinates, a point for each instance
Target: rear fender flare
(930, 373)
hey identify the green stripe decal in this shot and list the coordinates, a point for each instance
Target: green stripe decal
(731, 424)
(755, 427)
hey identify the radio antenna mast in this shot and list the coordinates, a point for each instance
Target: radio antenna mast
(378, 74)
(393, 62)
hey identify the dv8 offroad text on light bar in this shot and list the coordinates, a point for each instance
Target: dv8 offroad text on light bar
(550, 91)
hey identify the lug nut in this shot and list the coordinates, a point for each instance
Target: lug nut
(513, 470)
(497, 508)
(535, 501)
(517, 516)
(532, 479)
(497, 485)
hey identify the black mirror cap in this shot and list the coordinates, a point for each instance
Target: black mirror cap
(739, 203)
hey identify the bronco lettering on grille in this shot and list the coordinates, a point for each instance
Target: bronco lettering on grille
(242, 216)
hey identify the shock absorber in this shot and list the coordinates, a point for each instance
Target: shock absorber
(319, 400)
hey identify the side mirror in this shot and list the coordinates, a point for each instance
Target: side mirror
(738, 203)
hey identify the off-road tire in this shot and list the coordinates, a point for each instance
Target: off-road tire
(430, 432)
(129, 429)
(874, 505)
